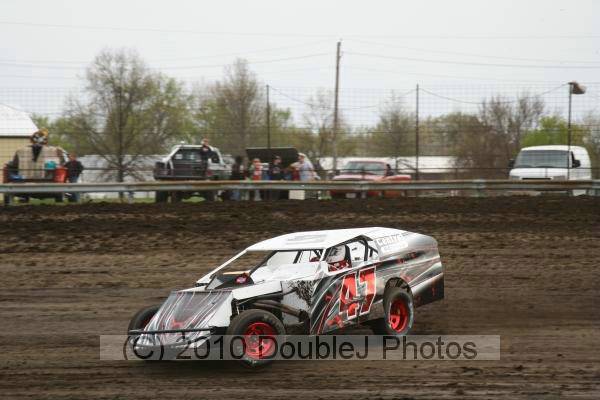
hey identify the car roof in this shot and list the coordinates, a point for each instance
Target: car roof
(553, 147)
(320, 239)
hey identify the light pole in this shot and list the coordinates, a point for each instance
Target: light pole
(574, 88)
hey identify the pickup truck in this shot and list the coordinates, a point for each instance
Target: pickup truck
(185, 162)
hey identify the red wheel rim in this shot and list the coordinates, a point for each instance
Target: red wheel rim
(398, 316)
(257, 340)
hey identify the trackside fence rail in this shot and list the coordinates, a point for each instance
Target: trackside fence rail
(479, 185)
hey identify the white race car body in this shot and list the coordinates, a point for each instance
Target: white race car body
(315, 282)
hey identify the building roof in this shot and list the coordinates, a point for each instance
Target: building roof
(15, 123)
(320, 239)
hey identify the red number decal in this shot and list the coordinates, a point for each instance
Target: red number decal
(367, 277)
(347, 295)
(350, 288)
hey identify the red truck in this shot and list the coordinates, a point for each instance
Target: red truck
(368, 170)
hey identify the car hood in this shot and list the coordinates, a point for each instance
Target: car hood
(196, 308)
(188, 309)
(356, 177)
(538, 173)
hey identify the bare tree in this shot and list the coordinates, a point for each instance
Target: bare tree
(486, 142)
(511, 119)
(394, 132)
(127, 112)
(232, 111)
(318, 118)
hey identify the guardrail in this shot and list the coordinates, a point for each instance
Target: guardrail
(354, 186)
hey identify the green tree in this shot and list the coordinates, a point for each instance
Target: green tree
(554, 130)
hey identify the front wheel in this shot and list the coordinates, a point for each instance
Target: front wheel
(253, 332)
(142, 318)
(139, 321)
(399, 313)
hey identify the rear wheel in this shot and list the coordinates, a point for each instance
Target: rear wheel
(399, 313)
(254, 330)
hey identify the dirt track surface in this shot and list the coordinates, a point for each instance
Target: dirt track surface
(527, 269)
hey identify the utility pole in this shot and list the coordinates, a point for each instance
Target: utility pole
(269, 124)
(417, 137)
(569, 132)
(574, 88)
(338, 55)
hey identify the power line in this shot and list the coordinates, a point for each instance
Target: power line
(313, 105)
(294, 34)
(250, 62)
(157, 30)
(26, 65)
(447, 76)
(503, 101)
(475, 63)
(232, 54)
(470, 54)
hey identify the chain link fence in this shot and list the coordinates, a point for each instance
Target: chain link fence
(428, 132)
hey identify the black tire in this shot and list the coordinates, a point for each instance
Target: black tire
(176, 197)
(161, 196)
(209, 195)
(397, 301)
(58, 198)
(240, 326)
(142, 317)
(139, 321)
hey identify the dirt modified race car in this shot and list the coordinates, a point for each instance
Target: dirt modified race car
(306, 283)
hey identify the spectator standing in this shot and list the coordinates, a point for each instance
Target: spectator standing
(305, 167)
(206, 153)
(74, 169)
(388, 170)
(256, 175)
(276, 173)
(238, 173)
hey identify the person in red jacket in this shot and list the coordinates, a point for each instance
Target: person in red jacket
(256, 175)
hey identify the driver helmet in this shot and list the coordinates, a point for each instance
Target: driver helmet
(336, 255)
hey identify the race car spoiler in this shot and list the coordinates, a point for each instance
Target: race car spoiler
(143, 332)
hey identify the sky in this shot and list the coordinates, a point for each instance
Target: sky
(291, 45)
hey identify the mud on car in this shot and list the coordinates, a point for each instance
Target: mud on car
(308, 283)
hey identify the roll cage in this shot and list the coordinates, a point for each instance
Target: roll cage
(355, 256)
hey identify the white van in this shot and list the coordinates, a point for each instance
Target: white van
(550, 162)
